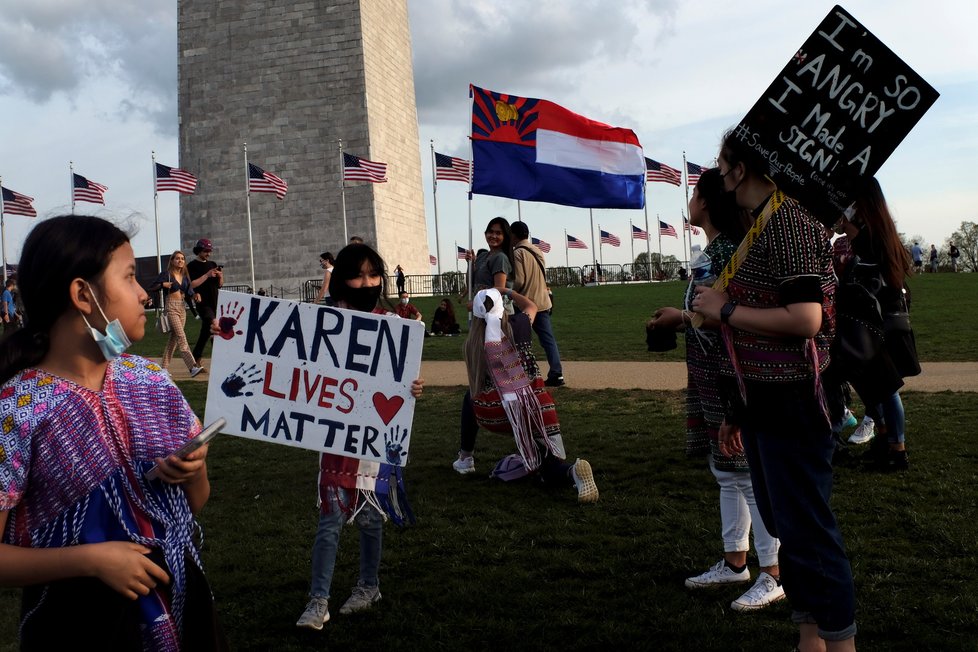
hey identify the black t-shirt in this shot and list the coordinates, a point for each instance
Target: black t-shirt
(208, 289)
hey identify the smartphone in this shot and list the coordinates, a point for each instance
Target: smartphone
(205, 436)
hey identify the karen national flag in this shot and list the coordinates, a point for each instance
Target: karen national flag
(655, 171)
(535, 150)
(639, 233)
(449, 168)
(85, 190)
(168, 178)
(542, 245)
(666, 229)
(574, 243)
(15, 203)
(261, 181)
(610, 239)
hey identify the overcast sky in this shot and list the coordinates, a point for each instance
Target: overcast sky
(94, 82)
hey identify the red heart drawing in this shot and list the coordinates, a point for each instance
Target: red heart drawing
(387, 408)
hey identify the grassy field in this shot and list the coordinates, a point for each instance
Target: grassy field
(608, 322)
(495, 566)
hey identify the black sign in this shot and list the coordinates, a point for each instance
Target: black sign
(834, 114)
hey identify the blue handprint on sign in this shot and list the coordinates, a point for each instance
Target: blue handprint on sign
(394, 445)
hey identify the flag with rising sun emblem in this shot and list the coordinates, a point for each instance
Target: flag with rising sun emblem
(535, 150)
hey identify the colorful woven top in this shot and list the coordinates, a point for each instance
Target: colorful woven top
(71, 471)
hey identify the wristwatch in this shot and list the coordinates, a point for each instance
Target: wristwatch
(726, 311)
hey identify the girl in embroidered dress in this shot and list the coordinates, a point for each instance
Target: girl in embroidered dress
(106, 557)
(367, 492)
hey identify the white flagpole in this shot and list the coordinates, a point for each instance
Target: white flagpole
(600, 249)
(659, 229)
(597, 276)
(519, 211)
(156, 216)
(434, 199)
(346, 237)
(631, 238)
(251, 248)
(686, 189)
(566, 255)
(71, 184)
(3, 235)
(456, 256)
(648, 241)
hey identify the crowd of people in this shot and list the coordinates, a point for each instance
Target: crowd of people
(772, 341)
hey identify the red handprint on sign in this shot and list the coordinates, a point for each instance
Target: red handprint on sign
(230, 314)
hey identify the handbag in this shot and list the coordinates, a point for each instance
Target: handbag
(901, 344)
(859, 332)
(163, 322)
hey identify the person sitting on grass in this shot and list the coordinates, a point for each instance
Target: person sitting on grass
(506, 394)
(444, 323)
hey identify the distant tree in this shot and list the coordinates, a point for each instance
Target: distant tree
(663, 267)
(966, 240)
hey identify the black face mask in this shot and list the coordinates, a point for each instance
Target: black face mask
(363, 299)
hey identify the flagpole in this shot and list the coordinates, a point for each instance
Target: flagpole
(566, 255)
(71, 184)
(659, 220)
(3, 234)
(346, 238)
(519, 211)
(686, 189)
(597, 279)
(251, 249)
(600, 249)
(632, 239)
(434, 199)
(648, 241)
(156, 215)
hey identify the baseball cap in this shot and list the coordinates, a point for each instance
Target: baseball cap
(204, 245)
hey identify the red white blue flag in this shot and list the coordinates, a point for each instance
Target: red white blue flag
(655, 171)
(610, 239)
(449, 168)
(460, 253)
(15, 203)
(168, 178)
(693, 173)
(639, 234)
(432, 260)
(360, 169)
(542, 245)
(535, 150)
(261, 181)
(666, 229)
(574, 243)
(85, 190)
(690, 227)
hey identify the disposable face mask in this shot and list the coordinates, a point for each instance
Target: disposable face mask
(115, 341)
(405, 301)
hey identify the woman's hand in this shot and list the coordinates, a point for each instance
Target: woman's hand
(729, 440)
(708, 301)
(666, 318)
(176, 470)
(417, 387)
(124, 567)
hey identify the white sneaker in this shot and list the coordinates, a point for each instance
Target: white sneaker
(718, 575)
(464, 465)
(865, 432)
(363, 597)
(195, 371)
(587, 489)
(315, 615)
(766, 591)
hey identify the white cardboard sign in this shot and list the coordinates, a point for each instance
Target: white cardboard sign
(316, 377)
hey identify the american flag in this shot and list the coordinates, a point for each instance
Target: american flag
(690, 227)
(460, 254)
(449, 168)
(639, 234)
(655, 171)
(360, 169)
(85, 190)
(666, 229)
(15, 203)
(574, 243)
(609, 238)
(693, 173)
(261, 181)
(432, 260)
(168, 178)
(542, 245)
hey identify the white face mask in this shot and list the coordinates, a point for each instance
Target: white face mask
(115, 341)
(405, 300)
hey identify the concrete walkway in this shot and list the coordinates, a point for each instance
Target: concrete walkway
(936, 376)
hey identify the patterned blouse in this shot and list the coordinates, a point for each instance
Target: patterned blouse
(71, 471)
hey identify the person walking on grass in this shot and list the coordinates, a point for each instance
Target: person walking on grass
(352, 489)
(933, 259)
(177, 290)
(715, 211)
(202, 267)
(108, 558)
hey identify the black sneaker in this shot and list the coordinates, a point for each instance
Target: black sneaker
(554, 381)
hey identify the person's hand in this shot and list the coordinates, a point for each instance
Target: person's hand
(729, 440)
(196, 297)
(417, 387)
(176, 470)
(6, 319)
(167, 284)
(469, 255)
(708, 302)
(124, 567)
(666, 318)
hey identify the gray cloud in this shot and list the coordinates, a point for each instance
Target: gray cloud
(56, 46)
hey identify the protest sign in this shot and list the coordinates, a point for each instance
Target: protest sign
(834, 114)
(311, 376)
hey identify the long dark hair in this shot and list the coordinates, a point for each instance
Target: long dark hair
(449, 310)
(347, 265)
(725, 215)
(56, 252)
(876, 225)
(328, 257)
(734, 150)
(507, 245)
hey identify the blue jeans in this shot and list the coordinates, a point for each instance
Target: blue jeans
(324, 548)
(890, 411)
(789, 447)
(544, 329)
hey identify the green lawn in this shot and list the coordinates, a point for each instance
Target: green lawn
(608, 322)
(494, 566)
